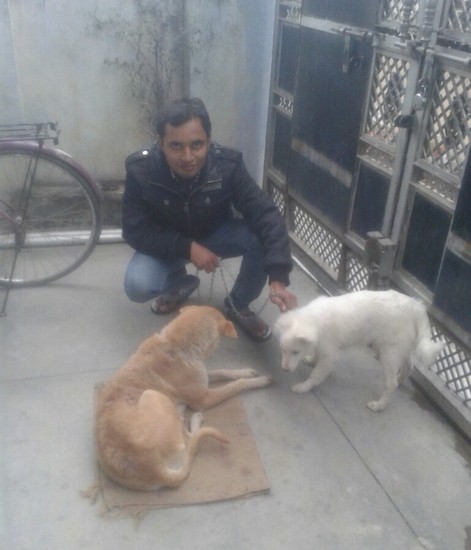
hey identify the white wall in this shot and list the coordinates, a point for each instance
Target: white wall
(56, 64)
(58, 61)
(10, 110)
(231, 48)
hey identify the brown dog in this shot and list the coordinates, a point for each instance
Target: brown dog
(141, 439)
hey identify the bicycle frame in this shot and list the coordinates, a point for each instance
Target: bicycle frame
(35, 148)
(18, 224)
(29, 140)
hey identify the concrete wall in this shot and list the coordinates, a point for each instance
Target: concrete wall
(231, 49)
(10, 109)
(58, 59)
(70, 62)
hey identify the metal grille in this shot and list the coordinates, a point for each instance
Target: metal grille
(290, 11)
(449, 128)
(323, 244)
(454, 368)
(277, 197)
(283, 103)
(387, 95)
(356, 274)
(459, 16)
(393, 10)
(448, 191)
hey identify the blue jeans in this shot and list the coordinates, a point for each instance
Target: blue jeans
(147, 276)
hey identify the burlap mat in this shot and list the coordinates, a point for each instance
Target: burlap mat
(219, 471)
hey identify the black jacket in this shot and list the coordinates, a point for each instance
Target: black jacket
(161, 219)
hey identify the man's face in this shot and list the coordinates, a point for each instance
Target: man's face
(185, 147)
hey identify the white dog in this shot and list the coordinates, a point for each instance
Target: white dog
(395, 326)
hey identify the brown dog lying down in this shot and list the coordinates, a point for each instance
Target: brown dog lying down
(141, 439)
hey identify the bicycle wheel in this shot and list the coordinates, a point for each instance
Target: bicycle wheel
(49, 232)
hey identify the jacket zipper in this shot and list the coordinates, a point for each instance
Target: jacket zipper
(186, 209)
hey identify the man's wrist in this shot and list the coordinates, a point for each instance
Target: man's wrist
(276, 287)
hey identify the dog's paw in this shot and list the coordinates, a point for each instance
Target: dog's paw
(264, 380)
(375, 406)
(196, 422)
(248, 373)
(301, 388)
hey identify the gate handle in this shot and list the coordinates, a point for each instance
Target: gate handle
(421, 97)
(404, 121)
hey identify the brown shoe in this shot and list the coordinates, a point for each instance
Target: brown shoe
(169, 301)
(255, 327)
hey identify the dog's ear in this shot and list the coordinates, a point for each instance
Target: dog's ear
(228, 329)
(282, 323)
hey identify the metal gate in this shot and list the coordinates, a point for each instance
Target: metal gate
(367, 157)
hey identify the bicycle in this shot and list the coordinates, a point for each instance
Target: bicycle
(50, 208)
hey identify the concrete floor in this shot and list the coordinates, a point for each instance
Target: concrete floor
(342, 476)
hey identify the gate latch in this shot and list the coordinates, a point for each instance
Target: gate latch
(379, 258)
(404, 121)
(421, 97)
(418, 104)
(349, 57)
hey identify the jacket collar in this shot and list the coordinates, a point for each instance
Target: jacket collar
(211, 170)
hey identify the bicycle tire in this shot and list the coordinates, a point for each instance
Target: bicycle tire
(61, 222)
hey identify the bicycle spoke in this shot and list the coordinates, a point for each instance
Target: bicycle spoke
(53, 221)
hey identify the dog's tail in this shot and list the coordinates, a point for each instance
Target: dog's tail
(426, 350)
(173, 478)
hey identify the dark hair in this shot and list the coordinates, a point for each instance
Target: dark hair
(180, 111)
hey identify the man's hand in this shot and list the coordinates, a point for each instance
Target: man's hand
(203, 258)
(281, 297)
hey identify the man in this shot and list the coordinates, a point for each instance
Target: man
(178, 207)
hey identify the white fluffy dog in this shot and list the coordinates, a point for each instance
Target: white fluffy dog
(395, 326)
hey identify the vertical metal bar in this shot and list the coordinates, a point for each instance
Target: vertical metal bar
(379, 257)
(406, 19)
(342, 272)
(427, 31)
(19, 227)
